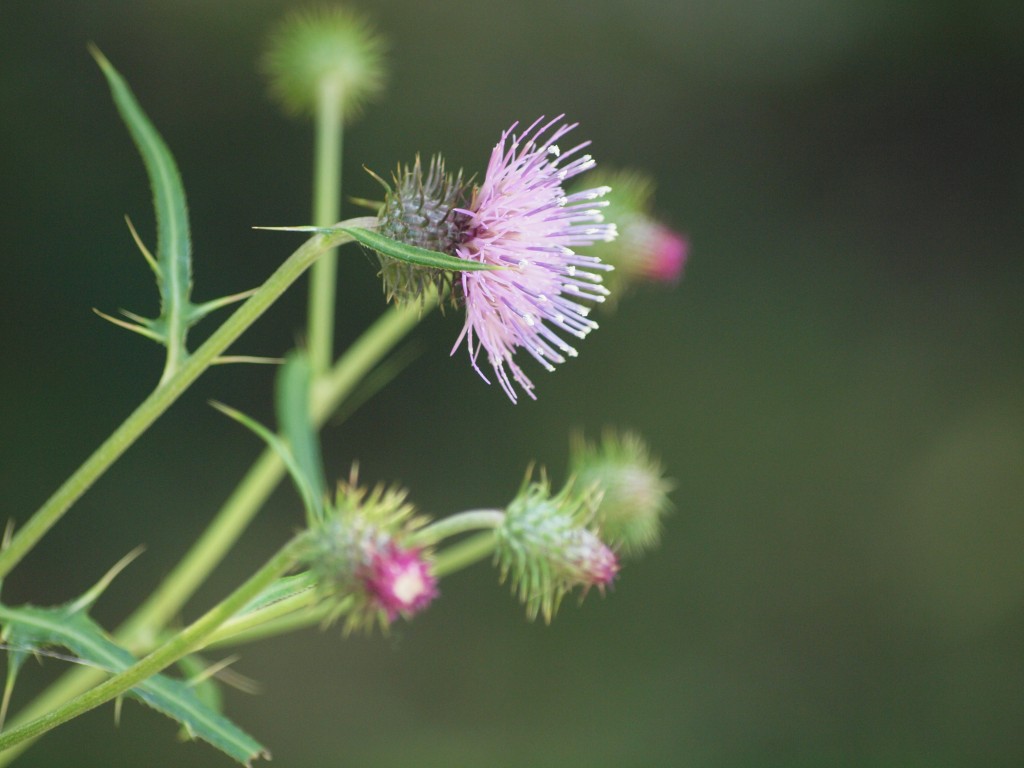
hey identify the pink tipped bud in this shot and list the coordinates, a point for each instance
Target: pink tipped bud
(646, 250)
(399, 581)
(595, 564)
(547, 548)
(660, 252)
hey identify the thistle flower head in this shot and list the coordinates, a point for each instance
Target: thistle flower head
(521, 218)
(420, 209)
(324, 51)
(631, 487)
(358, 553)
(521, 221)
(546, 547)
(646, 250)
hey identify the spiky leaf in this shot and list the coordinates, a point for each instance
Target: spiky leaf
(174, 248)
(28, 628)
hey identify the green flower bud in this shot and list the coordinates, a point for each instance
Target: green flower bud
(546, 547)
(631, 487)
(324, 51)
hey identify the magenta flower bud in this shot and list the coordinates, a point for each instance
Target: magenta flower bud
(646, 250)
(399, 581)
(660, 253)
(591, 560)
(359, 560)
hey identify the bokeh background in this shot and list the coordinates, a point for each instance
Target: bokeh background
(836, 386)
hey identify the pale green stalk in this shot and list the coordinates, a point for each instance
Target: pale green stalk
(472, 520)
(162, 397)
(464, 553)
(326, 211)
(306, 612)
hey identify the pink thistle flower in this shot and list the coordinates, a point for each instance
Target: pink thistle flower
(399, 581)
(521, 218)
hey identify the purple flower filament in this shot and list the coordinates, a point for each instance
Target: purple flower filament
(521, 219)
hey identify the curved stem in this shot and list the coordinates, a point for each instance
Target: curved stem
(161, 399)
(464, 553)
(473, 520)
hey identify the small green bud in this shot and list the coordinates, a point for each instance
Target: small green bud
(546, 547)
(321, 51)
(631, 487)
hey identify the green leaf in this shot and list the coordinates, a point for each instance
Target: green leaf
(396, 249)
(309, 495)
(282, 589)
(411, 253)
(296, 424)
(174, 248)
(28, 628)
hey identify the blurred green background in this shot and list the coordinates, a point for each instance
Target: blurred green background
(836, 385)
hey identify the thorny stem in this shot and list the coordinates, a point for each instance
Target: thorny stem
(141, 630)
(163, 396)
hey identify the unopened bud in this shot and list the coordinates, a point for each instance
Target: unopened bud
(630, 484)
(324, 52)
(646, 250)
(357, 553)
(546, 548)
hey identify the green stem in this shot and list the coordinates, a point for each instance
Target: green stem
(161, 399)
(209, 550)
(300, 617)
(473, 520)
(139, 632)
(141, 629)
(189, 640)
(326, 211)
(464, 553)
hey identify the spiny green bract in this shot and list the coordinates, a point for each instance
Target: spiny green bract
(419, 210)
(546, 547)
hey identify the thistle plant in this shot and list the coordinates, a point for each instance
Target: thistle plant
(510, 251)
